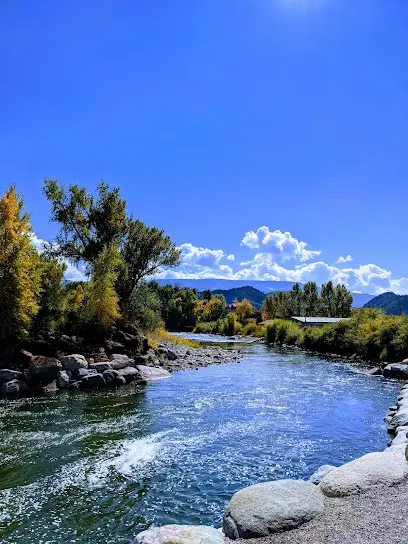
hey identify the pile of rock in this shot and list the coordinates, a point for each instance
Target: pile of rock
(181, 357)
(75, 371)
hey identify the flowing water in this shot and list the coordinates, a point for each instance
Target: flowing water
(98, 467)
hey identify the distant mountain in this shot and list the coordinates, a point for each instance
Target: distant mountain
(254, 296)
(389, 303)
(359, 299)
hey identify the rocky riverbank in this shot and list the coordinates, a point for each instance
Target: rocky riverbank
(71, 364)
(349, 504)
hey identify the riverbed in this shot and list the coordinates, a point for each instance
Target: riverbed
(92, 467)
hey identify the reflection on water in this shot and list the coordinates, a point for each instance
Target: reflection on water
(99, 467)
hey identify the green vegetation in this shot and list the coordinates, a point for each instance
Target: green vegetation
(390, 304)
(117, 251)
(333, 301)
(370, 334)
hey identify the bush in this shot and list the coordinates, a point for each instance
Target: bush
(253, 329)
(281, 331)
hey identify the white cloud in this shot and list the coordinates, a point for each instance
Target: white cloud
(346, 259)
(230, 257)
(281, 245)
(72, 273)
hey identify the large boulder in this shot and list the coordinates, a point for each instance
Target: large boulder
(396, 370)
(114, 377)
(272, 507)
(6, 375)
(114, 347)
(118, 361)
(44, 370)
(100, 367)
(63, 379)
(130, 374)
(82, 373)
(320, 473)
(93, 381)
(74, 362)
(149, 373)
(12, 387)
(379, 468)
(180, 534)
(400, 418)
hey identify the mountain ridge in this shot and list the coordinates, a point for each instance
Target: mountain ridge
(389, 303)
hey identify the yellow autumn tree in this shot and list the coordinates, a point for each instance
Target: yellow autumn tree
(20, 270)
(103, 301)
(244, 310)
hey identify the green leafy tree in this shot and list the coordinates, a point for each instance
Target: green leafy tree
(145, 250)
(296, 300)
(207, 294)
(51, 294)
(326, 303)
(88, 224)
(144, 307)
(20, 271)
(343, 300)
(278, 305)
(310, 298)
(214, 308)
(244, 310)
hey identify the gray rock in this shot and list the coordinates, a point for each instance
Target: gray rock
(44, 370)
(320, 473)
(7, 375)
(82, 373)
(100, 367)
(149, 373)
(396, 370)
(74, 362)
(180, 534)
(130, 374)
(378, 468)
(114, 377)
(12, 387)
(121, 361)
(93, 381)
(63, 379)
(166, 352)
(272, 507)
(376, 371)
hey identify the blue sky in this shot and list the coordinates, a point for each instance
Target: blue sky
(229, 124)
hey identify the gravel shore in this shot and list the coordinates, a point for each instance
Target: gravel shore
(191, 358)
(376, 517)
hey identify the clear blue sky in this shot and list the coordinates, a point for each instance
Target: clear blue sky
(217, 118)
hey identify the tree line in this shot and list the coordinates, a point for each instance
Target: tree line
(331, 301)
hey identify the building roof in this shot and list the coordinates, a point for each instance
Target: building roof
(319, 319)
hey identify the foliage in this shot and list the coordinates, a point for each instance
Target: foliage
(210, 309)
(283, 332)
(88, 224)
(73, 307)
(332, 302)
(103, 301)
(20, 270)
(254, 329)
(177, 306)
(144, 251)
(243, 311)
(157, 336)
(51, 297)
(143, 309)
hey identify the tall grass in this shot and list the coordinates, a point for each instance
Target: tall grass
(161, 335)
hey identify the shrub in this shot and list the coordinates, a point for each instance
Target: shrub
(283, 332)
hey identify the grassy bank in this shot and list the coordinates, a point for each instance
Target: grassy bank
(370, 334)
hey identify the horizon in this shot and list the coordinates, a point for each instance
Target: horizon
(266, 138)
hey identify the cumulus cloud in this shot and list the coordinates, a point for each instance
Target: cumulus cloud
(346, 259)
(72, 273)
(231, 257)
(281, 245)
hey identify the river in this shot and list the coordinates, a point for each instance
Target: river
(98, 467)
